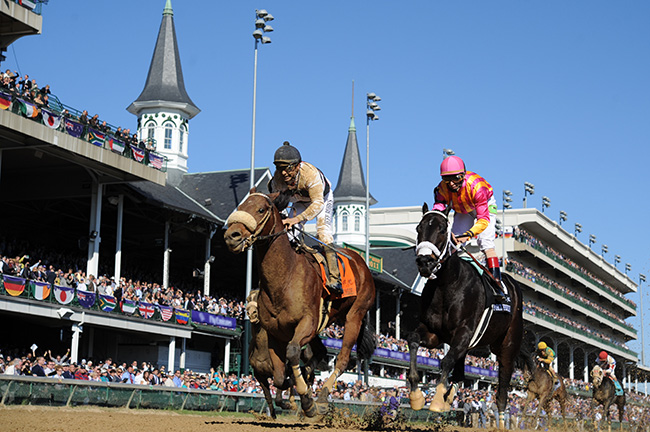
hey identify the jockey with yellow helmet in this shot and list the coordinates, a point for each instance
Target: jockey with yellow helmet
(545, 357)
(472, 199)
(312, 197)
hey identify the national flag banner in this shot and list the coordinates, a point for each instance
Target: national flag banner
(42, 290)
(138, 154)
(14, 285)
(146, 310)
(50, 119)
(116, 145)
(107, 303)
(5, 100)
(128, 306)
(28, 109)
(86, 298)
(29, 4)
(166, 312)
(182, 315)
(156, 160)
(73, 128)
(95, 137)
(63, 295)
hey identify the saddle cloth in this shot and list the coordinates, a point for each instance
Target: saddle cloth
(347, 277)
(488, 287)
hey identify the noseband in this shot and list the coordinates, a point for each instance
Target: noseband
(256, 228)
(427, 248)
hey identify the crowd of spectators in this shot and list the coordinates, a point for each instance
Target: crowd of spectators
(527, 238)
(27, 89)
(533, 309)
(541, 279)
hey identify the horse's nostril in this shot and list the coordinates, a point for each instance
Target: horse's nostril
(235, 235)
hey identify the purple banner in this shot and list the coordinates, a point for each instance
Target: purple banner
(397, 355)
(214, 320)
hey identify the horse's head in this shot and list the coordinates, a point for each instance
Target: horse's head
(432, 240)
(255, 217)
(597, 375)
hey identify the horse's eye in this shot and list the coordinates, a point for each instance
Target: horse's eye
(260, 210)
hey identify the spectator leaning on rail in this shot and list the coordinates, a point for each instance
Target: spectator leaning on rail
(472, 199)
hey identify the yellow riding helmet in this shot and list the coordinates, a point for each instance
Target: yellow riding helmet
(542, 345)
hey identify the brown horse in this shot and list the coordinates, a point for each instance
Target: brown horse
(605, 394)
(289, 305)
(541, 386)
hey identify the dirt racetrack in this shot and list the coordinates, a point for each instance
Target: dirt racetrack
(94, 419)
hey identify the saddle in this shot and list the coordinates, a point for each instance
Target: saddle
(617, 385)
(488, 287)
(316, 256)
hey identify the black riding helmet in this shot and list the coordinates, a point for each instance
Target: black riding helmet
(286, 155)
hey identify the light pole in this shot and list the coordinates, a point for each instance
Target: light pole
(546, 202)
(628, 267)
(529, 189)
(578, 229)
(617, 259)
(592, 240)
(603, 250)
(641, 280)
(261, 27)
(563, 216)
(506, 200)
(371, 107)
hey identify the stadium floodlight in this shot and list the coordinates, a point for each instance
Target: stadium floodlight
(529, 189)
(578, 229)
(371, 107)
(563, 216)
(546, 202)
(447, 152)
(592, 240)
(617, 259)
(604, 249)
(628, 267)
(641, 278)
(506, 199)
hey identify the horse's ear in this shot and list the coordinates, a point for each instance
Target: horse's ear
(447, 210)
(253, 190)
(425, 207)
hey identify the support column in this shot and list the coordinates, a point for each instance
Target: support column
(377, 314)
(585, 368)
(208, 264)
(166, 256)
(183, 347)
(171, 366)
(118, 239)
(571, 362)
(77, 329)
(398, 316)
(226, 357)
(91, 342)
(94, 231)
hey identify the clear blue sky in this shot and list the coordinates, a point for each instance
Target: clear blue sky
(554, 93)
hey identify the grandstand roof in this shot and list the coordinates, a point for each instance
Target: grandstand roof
(399, 266)
(165, 79)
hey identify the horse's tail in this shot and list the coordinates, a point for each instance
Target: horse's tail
(366, 341)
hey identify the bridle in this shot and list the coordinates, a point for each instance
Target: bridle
(427, 248)
(252, 225)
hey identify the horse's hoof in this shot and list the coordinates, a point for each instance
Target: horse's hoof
(309, 409)
(416, 398)
(322, 397)
(437, 406)
(321, 408)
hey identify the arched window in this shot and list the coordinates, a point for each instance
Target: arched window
(150, 131)
(181, 143)
(168, 136)
(357, 221)
(344, 221)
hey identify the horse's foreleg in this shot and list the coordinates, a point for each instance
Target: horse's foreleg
(264, 383)
(457, 351)
(301, 336)
(421, 335)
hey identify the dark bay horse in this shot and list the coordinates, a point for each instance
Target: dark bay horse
(541, 386)
(452, 308)
(604, 392)
(289, 306)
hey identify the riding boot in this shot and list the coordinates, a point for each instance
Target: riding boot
(334, 279)
(500, 294)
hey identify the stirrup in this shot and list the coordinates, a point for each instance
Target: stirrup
(335, 288)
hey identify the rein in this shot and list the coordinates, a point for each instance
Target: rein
(255, 236)
(427, 248)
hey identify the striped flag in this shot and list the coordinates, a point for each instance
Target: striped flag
(116, 145)
(41, 290)
(128, 306)
(166, 312)
(5, 100)
(28, 109)
(138, 154)
(14, 285)
(86, 298)
(182, 315)
(63, 295)
(156, 160)
(107, 303)
(146, 310)
(50, 119)
(96, 137)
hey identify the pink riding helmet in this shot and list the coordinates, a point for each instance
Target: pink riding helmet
(452, 165)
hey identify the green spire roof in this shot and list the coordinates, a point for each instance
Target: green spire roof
(168, 8)
(352, 127)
